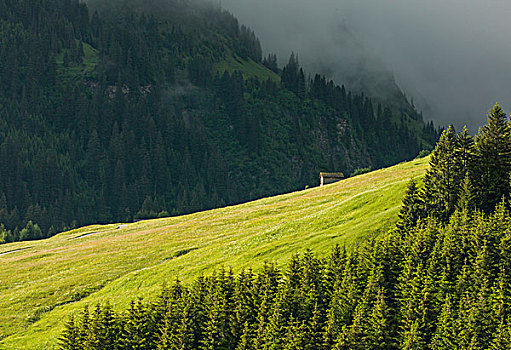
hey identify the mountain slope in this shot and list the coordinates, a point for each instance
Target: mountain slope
(148, 108)
(44, 282)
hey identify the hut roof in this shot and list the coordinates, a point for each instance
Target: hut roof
(332, 175)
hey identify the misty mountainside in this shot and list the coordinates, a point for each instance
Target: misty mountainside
(132, 109)
(435, 50)
(360, 70)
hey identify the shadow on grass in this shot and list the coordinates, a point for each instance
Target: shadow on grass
(76, 296)
(180, 253)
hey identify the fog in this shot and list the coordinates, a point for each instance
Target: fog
(452, 56)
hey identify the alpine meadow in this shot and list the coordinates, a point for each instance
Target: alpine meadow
(166, 182)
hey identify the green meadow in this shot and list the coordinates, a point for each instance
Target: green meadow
(248, 67)
(42, 283)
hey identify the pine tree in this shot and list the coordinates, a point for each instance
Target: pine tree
(493, 160)
(378, 329)
(167, 330)
(69, 339)
(444, 337)
(104, 328)
(271, 62)
(275, 330)
(330, 333)
(245, 342)
(84, 328)
(295, 336)
(355, 335)
(414, 298)
(4, 235)
(502, 337)
(481, 318)
(410, 211)
(466, 200)
(465, 153)
(441, 182)
(343, 301)
(185, 335)
(314, 329)
(412, 338)
(31, 232)
(136, 333)
(216, 330)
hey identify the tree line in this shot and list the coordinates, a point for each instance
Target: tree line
(466, 171)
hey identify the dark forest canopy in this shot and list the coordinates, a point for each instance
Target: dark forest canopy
(440, 280)
(129, 113)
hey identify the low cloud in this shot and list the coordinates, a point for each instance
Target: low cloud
(452, 56)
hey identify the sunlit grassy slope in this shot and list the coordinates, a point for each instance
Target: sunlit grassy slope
(41, 285)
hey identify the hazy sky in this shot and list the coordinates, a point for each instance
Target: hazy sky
(453, 55)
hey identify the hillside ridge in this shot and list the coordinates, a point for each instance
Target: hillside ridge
(118, 264)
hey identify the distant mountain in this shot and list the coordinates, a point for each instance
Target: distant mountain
(136, 109)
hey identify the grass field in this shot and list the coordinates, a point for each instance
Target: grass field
(79, 71)
(248, 68)
(46, 281)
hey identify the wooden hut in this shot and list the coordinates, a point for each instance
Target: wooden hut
(330, 178)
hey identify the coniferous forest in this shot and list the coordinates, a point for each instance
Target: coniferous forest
(124, 110)
(118, 112)
(440, 280)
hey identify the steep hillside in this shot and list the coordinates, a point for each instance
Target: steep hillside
(149, 108)
(441, 279)
(44, 282)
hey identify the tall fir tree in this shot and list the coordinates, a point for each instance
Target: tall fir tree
(465, 153)
(411, 208)
(442, 179)
(493, 160)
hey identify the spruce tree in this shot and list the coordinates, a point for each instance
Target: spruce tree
(410, 211)
(314, 330)
(167, 330)
(137, 331)
(441, 182)
(444, 337)
(105, 328)
(466, 199)
(245, 342)
(275, 330)
(295, 336)
(412, 338)
(84, 327)
(185, 330)
(465, 153)
(215, 329)
(69, 339)
(378, 330)
(502, 337)
(355, 336)
(493, 160)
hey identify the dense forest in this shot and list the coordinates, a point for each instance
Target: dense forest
(440, 280)
(125, 112)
